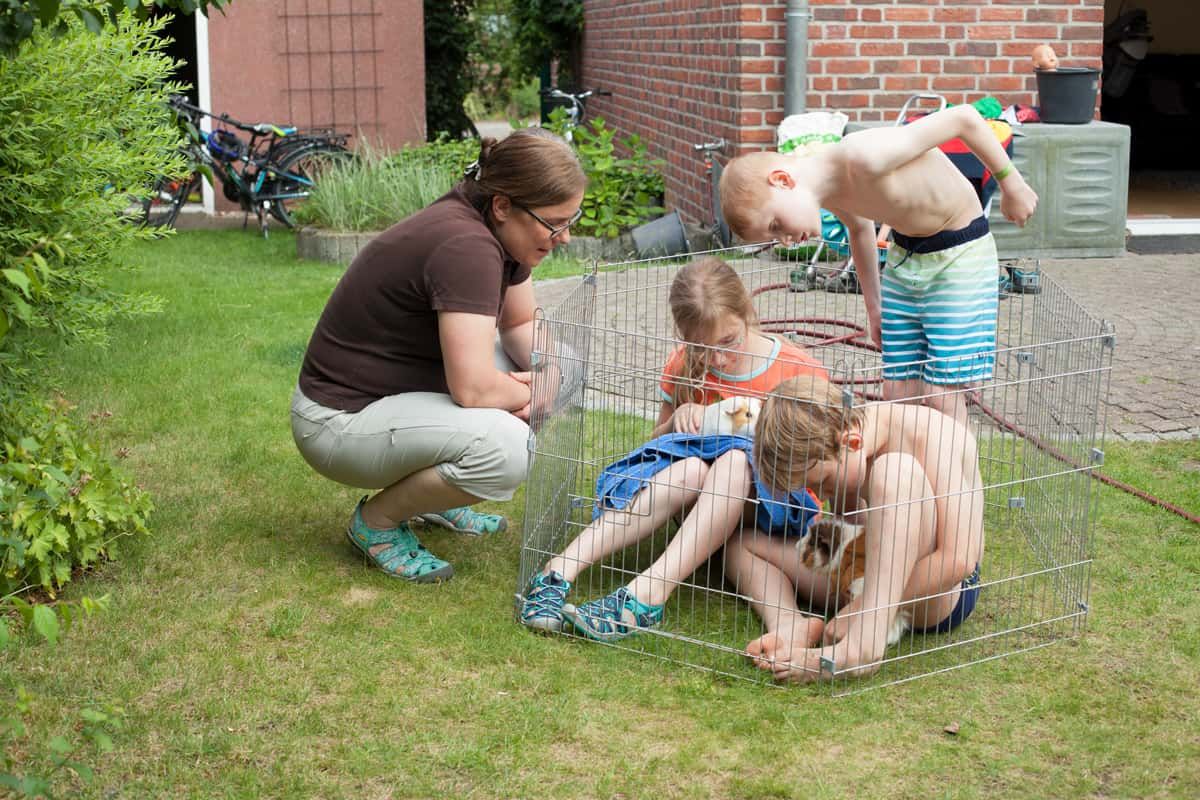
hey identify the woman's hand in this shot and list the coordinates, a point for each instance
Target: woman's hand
(526, 378)
(687, 418)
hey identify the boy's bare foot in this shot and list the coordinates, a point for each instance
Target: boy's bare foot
(798, 632)
(804, 665)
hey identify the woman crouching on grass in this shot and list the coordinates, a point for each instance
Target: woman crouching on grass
(416, 379)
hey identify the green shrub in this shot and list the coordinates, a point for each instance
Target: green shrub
(86, 125)
(63, 504)
(448, 79)
(376, 190)
(526, 99)
(445, 155)
(622, 192)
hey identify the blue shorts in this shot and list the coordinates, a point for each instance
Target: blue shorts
(939, 305)
(962, 609)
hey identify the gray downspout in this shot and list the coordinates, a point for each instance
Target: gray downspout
(795, 86)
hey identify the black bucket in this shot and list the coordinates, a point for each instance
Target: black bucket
(661, 237)
(1067, 95)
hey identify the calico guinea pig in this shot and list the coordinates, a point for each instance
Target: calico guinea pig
(734, 416)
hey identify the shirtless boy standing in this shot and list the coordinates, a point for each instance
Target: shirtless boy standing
(935, 314)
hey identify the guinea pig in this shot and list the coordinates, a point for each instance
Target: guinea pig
(735, 416)
(1044, 57)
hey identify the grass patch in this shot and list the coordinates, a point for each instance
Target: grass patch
(257, 656)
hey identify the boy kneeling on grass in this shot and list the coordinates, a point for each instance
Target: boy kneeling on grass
(907, 473)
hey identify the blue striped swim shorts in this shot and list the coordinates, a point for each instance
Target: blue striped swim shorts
(939, 304)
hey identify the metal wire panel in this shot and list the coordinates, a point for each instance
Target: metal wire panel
(1037, 424)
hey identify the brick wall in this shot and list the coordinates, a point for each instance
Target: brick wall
(683, 71)
(677, 70)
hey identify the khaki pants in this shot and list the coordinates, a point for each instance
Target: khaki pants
(482, 451)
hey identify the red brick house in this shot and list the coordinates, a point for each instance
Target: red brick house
(353, 65)
(685, 71)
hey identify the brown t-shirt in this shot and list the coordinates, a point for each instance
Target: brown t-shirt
(378, 335)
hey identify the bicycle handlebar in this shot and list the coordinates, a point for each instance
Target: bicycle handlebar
(715, 146)
(575, 96)
(261, 128)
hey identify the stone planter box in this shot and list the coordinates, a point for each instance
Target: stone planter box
(318, 244)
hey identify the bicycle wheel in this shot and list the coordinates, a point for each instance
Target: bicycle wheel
(295, 176)
(161, 208)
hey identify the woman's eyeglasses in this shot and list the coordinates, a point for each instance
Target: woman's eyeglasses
(555, 230)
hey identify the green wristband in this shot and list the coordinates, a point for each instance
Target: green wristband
(1004, 173)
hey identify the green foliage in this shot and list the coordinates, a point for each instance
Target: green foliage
(92, 734)
(19, 19)
(85, 125)
(545, 31)
(63, 504)
(526, 99)
(448, 36)
(502, 87)
(622, 191)
(449, 157)
(374, 191)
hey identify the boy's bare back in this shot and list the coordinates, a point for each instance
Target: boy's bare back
(921, 197)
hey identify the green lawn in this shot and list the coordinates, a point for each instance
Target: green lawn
(256, 655)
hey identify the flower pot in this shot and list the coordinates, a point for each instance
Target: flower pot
(1067, 95)
(661, 237)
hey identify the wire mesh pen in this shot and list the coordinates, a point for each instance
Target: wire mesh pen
(1037, 423)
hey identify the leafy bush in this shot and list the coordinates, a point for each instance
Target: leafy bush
(622, 192)
(376, 190)
(448, 36)
(86, 125)
(448, 156)
(526, 99)
(18, 17)
(545, 31)
(62, 503)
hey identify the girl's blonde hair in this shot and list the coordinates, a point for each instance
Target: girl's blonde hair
(801, 423)
(703, 293)
(531, 166)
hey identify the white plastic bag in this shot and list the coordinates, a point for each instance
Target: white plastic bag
(800, 133)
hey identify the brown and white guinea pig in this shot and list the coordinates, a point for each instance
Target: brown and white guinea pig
(1044, 57)
(837, 548)
(734, 416)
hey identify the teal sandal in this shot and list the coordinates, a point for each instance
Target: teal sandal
(613, 617)
(405, 557)
(465, 520)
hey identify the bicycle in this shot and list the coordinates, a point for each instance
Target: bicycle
(278, 166)
(718, 229)
(574, 104)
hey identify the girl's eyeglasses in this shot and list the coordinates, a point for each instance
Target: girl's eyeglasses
(555, 230)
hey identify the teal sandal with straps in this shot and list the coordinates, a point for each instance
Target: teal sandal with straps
(403, 557)
(466, 520)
